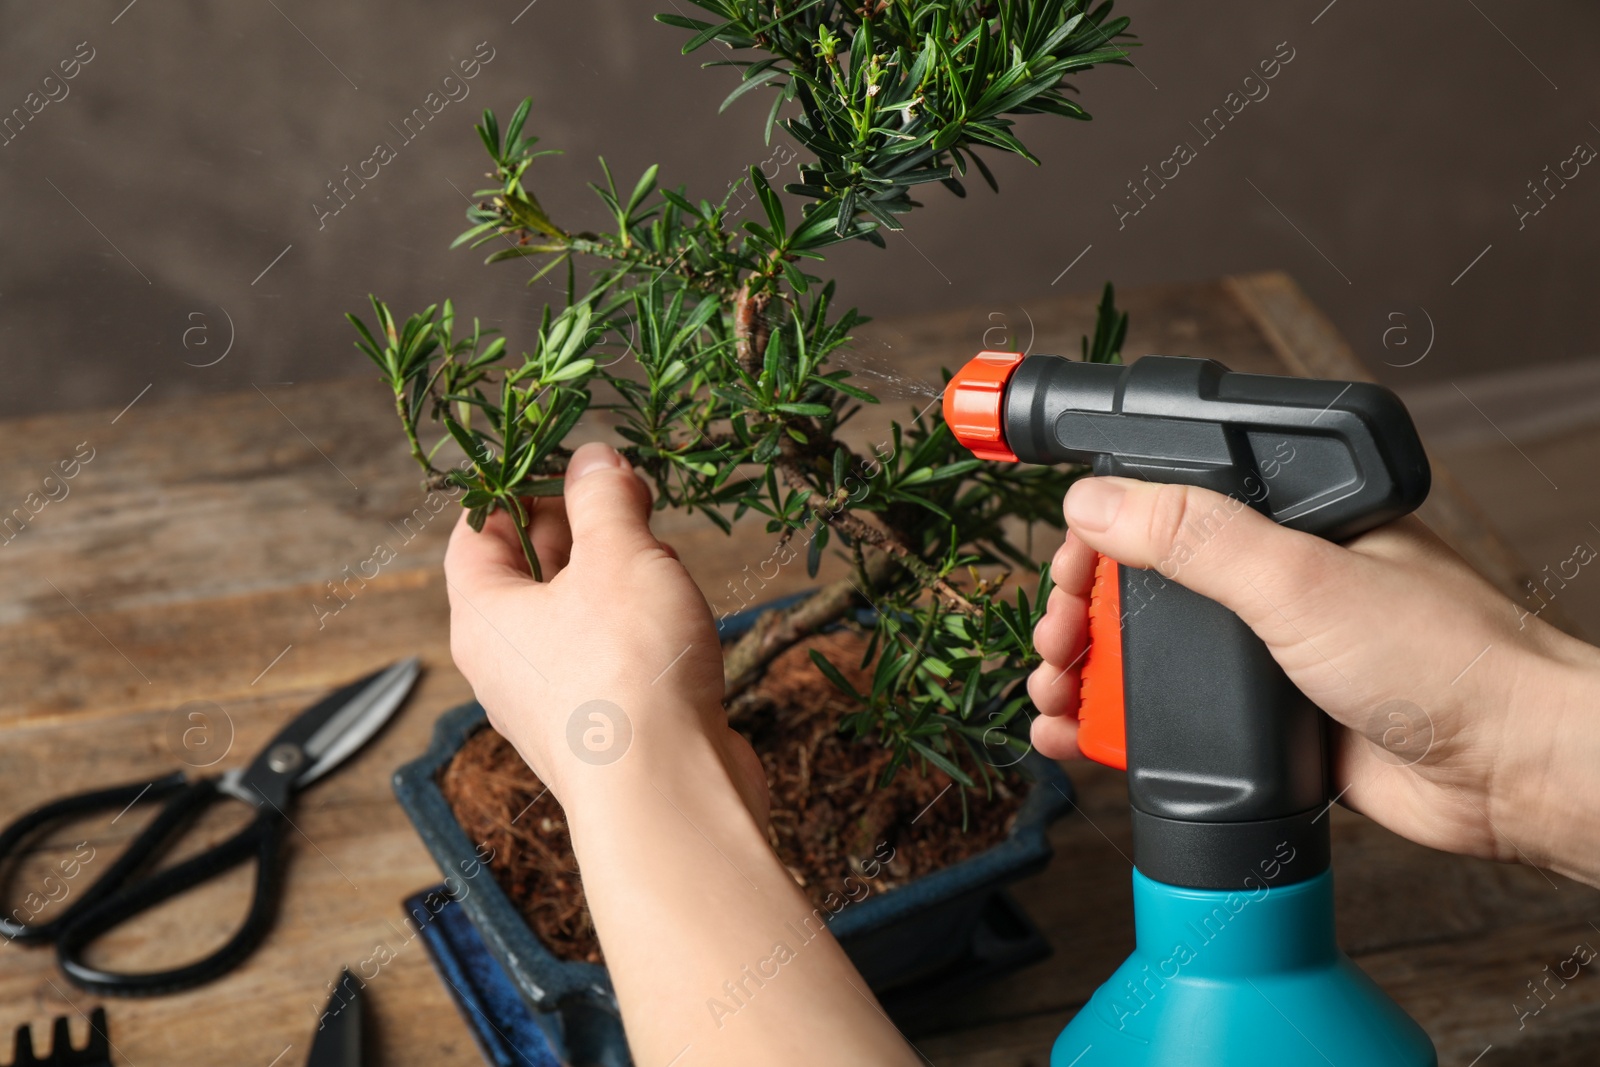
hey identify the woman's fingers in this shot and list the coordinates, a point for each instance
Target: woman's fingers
(1216, 545)
(1063, 633)
(1072, 567)
(1061, 636)
(1054, 690)
(478, 562)
(550, 533)
(495, 553)
(1061, 639)
(1056, 737)
(609, 508)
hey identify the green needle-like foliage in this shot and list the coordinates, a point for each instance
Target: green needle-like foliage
(712, 345)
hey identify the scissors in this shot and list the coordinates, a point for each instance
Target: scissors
(314, 743)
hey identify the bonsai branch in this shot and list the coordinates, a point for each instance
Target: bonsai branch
(861, 530)
(411, 432)
(634, 259)
(527, 545)
(832, 511)
(778, 630)
(751, 330)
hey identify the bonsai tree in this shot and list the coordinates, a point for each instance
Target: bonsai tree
(708, 338)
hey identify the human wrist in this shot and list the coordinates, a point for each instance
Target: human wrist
(1545, 800)
(577, 744)
(645, 819)
(672, 750)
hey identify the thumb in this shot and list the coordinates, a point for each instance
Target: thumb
(608, 506)
(1216, 545)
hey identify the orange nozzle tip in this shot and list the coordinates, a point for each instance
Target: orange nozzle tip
(974, 404)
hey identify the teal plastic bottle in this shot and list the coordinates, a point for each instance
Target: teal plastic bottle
(1246, 978)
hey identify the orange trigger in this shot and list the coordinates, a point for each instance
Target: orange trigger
(1102, 734)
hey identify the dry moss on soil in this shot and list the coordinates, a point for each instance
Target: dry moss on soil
(829, 825)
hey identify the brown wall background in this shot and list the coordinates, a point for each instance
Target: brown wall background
(139, 212)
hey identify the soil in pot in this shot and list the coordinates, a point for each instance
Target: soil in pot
(829, 823)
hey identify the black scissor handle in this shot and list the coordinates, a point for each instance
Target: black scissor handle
(115, 798)
(261, 840)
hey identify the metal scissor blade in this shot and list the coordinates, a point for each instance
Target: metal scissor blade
(338, 1039)
(324, 735)
(354, 724)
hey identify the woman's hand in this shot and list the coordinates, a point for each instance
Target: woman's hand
(613, 659)
(1469, 724)
(608, 679)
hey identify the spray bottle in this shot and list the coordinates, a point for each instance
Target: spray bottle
(1235, 963)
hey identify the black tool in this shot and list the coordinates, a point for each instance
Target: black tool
(314, 743)
(97, 1053)
(338, 1039)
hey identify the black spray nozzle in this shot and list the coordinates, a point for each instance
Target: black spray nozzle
(1331, 458)
(1226, 759)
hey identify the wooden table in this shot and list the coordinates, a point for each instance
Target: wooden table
(189, 561)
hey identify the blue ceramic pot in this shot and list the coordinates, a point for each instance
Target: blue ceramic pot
(914, 945)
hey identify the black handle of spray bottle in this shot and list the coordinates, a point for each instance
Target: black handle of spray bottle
(1227, 760)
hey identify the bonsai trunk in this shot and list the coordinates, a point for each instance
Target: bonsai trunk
(746, 660)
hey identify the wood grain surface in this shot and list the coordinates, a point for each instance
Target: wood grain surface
(188, 568)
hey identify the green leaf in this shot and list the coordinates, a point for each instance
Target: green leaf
(814, 550)
(514, 127)
(838, 384)
(942, 762)
(490, 133)
(706, 35)
(475, 232)
(830, 672)
(646, 183)
(679, 201)
(542, 487)
(969, 690)
(683, 22)
(745, 86)
(526, 211)
(813, 410)
(469, 444)
(525, 251)
(576, 369)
